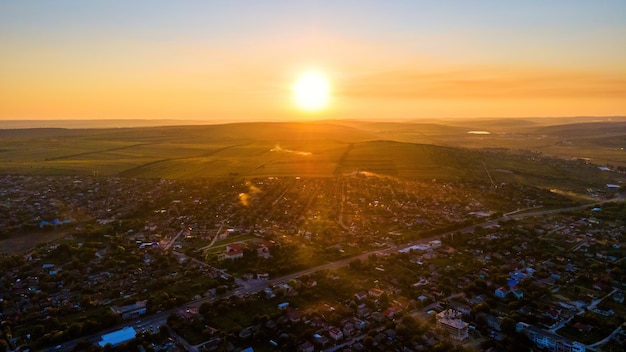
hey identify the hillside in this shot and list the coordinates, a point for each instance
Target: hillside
(323, 149)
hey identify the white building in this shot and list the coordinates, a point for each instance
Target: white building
(549, 341)
(450, 320)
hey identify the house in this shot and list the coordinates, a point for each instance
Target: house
(294, 316)
(335, 334)
(391, 334)
(391, 312)
(376, 292)
(130, 311)
(363, 311)
(494, 322)
(459, 307)
(349, 329)
(501, 292)
(233, 251)
(360, 295)
(316, 322)
(378, 317)
(320, 340)
(450, 320)
(478, 299)
(358, 323)
(549, 281)
(517, 292)
(306, 347)
(552, 313)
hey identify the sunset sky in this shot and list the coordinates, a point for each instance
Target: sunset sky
(237, 60)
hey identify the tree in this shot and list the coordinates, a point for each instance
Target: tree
(221, 289)
(205, 308)
(164, 331)
(109, 319)
(86, 301)
(368, 341)
(384, 301)
(83, 345)
(75, 330)
(508, 326)
(356, 265)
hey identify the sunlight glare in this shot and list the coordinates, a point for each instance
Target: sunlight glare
(311, 92)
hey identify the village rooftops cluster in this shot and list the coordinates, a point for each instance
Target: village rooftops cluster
(135, 239)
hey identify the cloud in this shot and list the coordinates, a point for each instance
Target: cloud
(485, 83)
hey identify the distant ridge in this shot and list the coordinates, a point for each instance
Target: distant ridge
(109, 123)
(459, 122)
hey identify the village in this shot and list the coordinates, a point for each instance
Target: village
(224, 262)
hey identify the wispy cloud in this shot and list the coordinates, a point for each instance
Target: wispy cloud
(485, 83)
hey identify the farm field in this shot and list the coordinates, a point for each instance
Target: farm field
(501, 150)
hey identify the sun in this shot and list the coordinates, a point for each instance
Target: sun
(311, 92)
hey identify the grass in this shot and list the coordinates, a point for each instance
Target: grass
(220, 246)
(231, 319)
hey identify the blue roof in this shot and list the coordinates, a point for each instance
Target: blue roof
(117, 337)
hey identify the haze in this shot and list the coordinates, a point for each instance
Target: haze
(236, 61)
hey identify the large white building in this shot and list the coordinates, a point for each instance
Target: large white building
(450, 320)
(549, 341)
(118, 337)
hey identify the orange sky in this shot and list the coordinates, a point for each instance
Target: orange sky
(237, 63)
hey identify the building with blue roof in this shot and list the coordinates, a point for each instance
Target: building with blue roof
(118, 337)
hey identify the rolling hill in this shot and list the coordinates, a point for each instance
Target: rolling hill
(519, 151)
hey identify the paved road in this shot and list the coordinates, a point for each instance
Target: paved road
(170, 243)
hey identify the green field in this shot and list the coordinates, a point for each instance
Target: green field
(326, 149)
